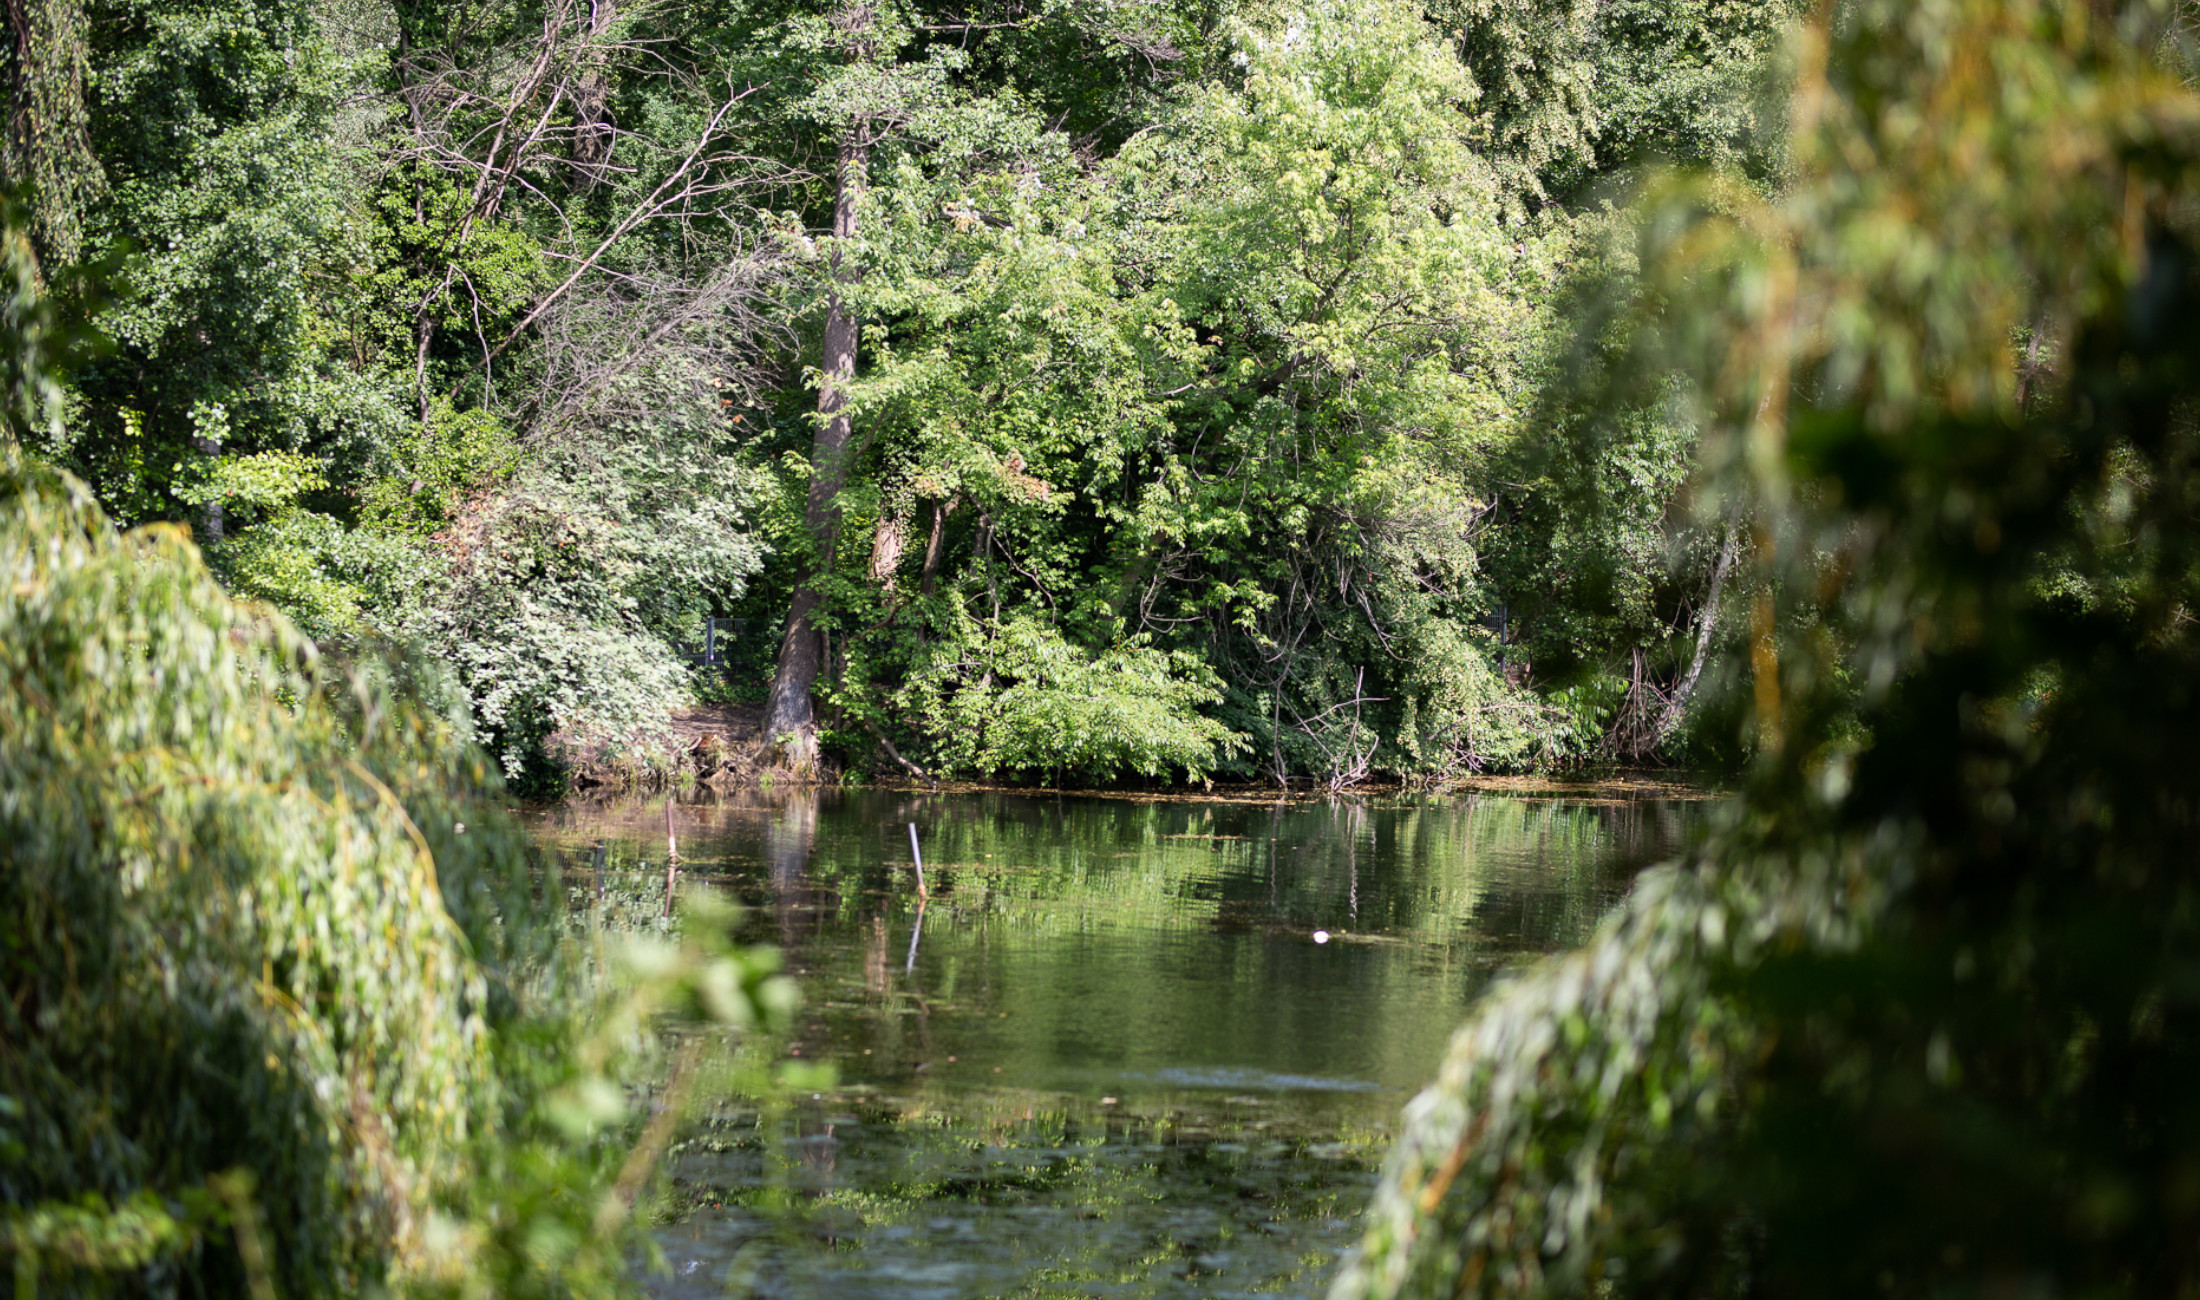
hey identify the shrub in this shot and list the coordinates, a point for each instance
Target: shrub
(230, 942)
(265, 956)
(1027, 701)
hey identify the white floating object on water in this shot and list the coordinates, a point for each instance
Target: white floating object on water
(1321, 936)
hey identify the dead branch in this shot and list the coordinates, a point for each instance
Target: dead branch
(701, 343)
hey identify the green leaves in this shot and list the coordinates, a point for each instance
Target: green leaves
(564, 594)
(241, 888)
(68, 1238)
(1281, 332)
(1916, 1017)
(1351, 224)
(1174, 320)
(35, 337)
(264, 480)
(279, 968)
(1019, 699)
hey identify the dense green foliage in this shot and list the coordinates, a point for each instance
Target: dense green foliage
(283, 1008)
(1100, 390)
(1198, 345)
(1920, 1017)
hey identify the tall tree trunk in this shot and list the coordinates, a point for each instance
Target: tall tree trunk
(210, 521)
(593, 130)
(934, 544)
(887, 544)
(790, 720)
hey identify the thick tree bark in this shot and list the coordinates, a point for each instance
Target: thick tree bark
(790, 719)
(423, 337)
(887, 544)
(934, 544)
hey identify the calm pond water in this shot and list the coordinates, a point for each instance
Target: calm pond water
(1130, 1046)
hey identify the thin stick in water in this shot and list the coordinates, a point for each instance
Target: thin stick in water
(916, 931)
(672, 857)
(918, 855)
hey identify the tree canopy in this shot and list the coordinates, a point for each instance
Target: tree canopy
(1200, 345)
(1105, 391)
(1915, 1019)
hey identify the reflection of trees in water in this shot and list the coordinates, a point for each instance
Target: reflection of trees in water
(1421, 867)
(1354, 819)
(790, 840)
(877, 979)
(1072, 934)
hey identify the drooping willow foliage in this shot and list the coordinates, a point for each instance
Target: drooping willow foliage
(228, 943)
(281, 1003)
(1922, 1017)
(279, 1007)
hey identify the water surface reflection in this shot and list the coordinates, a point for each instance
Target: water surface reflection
(1165, 1035)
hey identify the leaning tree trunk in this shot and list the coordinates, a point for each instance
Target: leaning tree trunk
(1676, 705)
(790, 719)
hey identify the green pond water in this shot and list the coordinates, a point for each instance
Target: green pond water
(1129, 1046)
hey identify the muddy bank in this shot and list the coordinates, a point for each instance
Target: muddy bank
(720, 747)
(717, 746)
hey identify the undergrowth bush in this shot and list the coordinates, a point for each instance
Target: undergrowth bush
(1024, 700)
(563, 597)
(280, 1009)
